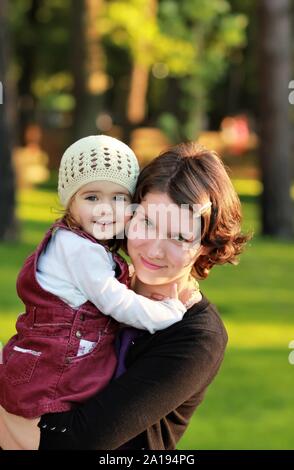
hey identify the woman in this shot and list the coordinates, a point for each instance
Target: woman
(162, 378)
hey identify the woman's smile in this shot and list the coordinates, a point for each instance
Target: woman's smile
(149, 265)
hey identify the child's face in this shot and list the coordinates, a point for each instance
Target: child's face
(100, 209)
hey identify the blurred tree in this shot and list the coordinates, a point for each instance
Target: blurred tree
(28, 51)
(40, 30)
(148, 46)
(88, 65)
(7, 195)
(236, 90)
(136, 110)
(274, 76)
(215, 33)
(191, 39)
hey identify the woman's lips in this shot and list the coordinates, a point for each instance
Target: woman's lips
(150, 265)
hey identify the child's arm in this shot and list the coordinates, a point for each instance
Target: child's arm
(90, 270)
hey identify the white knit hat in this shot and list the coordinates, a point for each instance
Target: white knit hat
(94, 158)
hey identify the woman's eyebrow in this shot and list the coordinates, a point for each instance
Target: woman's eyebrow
(183, 235)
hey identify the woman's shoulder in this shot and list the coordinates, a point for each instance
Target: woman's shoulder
(205, 315)
(199, 338)
(202, 323)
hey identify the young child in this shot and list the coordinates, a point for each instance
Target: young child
(75, 290)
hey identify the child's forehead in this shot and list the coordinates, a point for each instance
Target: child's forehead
(101, 186)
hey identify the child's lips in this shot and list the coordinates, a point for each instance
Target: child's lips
(104, 222)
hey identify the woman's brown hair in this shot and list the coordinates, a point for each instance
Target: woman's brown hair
(191, 174)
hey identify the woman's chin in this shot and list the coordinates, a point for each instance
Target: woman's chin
(150, 278)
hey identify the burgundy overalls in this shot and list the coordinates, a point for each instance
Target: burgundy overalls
(41, 372)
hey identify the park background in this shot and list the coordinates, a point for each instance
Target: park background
(154, 73)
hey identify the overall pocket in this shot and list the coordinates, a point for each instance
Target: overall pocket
(20, 365)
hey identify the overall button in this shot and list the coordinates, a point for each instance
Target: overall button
(82, 317)
(78, 334)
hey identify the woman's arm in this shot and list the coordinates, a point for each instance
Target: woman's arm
(166, 371)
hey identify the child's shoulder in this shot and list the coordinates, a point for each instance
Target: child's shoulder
(70, 243)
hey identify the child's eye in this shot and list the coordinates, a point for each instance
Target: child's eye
(91, 198)
(120, 197)
(148, 222)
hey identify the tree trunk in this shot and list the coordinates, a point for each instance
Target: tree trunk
(136, 108)
(138, 92)
(90, 81)
(28, 52)
(7, 193)
(274, 75)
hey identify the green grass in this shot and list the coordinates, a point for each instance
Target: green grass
(250, 403)
(248, 406)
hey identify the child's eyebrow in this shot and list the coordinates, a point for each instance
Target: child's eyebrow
(99, 192)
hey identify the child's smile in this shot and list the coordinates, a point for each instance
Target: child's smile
(100, 208)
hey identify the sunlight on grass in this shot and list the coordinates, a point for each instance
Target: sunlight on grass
(7, 328)
(249, 187)
(248, 406)
(259, 335)
(37, 205)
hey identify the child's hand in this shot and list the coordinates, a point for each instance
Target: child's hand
(173, 294)
(187, 295)
(131, 270)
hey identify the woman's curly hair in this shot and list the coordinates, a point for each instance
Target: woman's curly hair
(191, 174)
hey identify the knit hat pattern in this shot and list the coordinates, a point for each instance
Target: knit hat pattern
(96, 158)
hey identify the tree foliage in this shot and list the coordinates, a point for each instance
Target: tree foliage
(193, 38)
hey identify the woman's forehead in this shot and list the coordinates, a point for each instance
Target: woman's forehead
(160, 202)
(157, 197)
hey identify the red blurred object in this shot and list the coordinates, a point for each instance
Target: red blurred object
(235, 133)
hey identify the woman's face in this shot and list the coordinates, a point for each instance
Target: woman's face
(162, 240)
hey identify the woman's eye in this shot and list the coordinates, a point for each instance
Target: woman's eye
(144, 221)
(91, 198)
(180, 239)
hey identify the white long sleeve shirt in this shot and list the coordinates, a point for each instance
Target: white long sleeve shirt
(76, 270)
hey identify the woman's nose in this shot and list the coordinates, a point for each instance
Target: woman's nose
(155, 249)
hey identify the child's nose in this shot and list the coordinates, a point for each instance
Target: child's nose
(103, 209)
